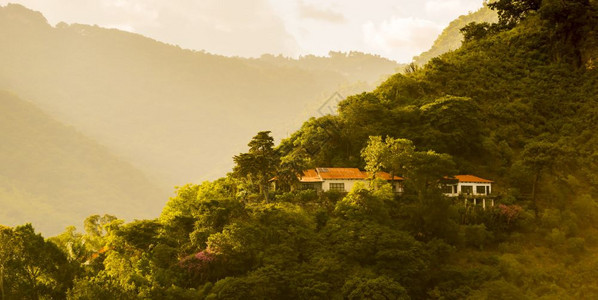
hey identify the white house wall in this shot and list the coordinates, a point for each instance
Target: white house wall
(350, 183)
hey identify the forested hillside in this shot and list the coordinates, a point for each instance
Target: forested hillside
(178, 115)
(53, 176)
(517, 103)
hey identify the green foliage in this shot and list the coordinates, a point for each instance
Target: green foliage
(392, 155)
(502, 106)
(377, 288)
(511, 12)
(258, 165)
(31, 267)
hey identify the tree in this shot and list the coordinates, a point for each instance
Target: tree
(95, 229)
(259, 164)
(452, 125)
(39, 269)
(380, 288)
(475, 31)
(375, 155)
(426, 169)
(72, 243)
(393, 155)
(568, 19)
(538, 157)
(8, 249)
(399, 156)
(511, 12)
(291, 167)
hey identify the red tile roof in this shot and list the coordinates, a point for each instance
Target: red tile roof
(321, 174)
(472, 178)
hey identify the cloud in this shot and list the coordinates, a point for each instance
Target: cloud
(399, 38)
(229, 27)
(398, 29)
(308, 11)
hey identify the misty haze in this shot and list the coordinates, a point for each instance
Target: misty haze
(298, 149)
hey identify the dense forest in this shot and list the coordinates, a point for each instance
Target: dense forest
(516, 103)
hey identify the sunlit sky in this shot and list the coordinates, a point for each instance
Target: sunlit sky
(397, 29)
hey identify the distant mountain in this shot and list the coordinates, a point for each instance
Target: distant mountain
(179, 115)
(450, 39)
(52, 176)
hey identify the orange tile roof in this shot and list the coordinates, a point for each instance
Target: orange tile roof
(321, 174)
(310, 176)
(386, 176)
(472, 178)
(341, 173)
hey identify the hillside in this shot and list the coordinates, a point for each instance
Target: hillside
(178, 115)
(53, 177)
(451, 37)
(517, 103)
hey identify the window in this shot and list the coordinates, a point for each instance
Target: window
(466, 189)
(340, 187)
(480, 189)
(308, 186)
(447, 189)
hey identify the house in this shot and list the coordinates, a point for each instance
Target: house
(342, 179)
(466, 185)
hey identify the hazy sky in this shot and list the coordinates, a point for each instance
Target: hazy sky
(398, 29)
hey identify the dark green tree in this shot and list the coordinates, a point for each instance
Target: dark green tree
(511, 12)
(539, 157)
(259, 164)
(39, 269)
(8, 250)
(425, 171)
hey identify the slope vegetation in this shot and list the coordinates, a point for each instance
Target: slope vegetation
(517, 103)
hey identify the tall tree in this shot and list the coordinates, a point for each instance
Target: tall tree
(291, 168)
(260, 163)
(393, 155)
(375, 155)
(399, 155)
(39, 269)
(511, 12)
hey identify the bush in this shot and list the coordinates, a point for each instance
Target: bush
(476, 236)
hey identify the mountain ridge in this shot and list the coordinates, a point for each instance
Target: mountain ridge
(92, 78)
